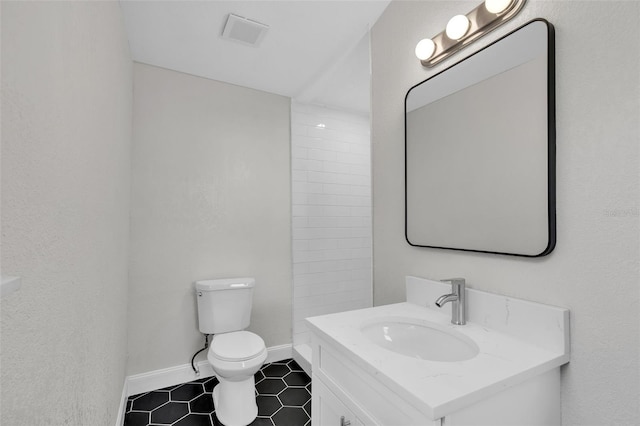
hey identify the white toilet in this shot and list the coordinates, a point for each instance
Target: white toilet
(224, 310)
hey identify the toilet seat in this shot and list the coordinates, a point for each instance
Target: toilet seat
(236, 346)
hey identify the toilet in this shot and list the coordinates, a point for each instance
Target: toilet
(224, 310)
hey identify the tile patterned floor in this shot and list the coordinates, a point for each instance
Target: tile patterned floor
(283, 392)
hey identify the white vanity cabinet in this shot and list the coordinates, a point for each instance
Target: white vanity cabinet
(344, 395)
(328, 408)
(512, 380)
(342, 389)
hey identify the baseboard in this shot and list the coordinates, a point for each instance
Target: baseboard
(157, 379)
(123, 403)
(302, 355)
(278, 353)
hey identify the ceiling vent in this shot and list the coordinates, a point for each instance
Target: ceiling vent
(244, 30)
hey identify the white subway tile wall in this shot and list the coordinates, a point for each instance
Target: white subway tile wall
(331, 197)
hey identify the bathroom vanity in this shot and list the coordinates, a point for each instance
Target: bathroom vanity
(406, 364)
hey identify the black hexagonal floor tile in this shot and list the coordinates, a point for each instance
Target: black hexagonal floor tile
(194, 420)
(169, 413)
(261, 421)
(136, 418)
(276, 370)
(294, 397)
(297, 378)
(215, 421)
(169, 405)
(290, 416)
(210, 384)
(150, 401)
(268, 405)
(202, 404)
(187, 392)
(270, 386)
(294, 366)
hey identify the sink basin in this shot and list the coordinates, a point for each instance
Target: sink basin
(420, 339)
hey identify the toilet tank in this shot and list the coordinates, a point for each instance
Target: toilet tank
(224, 305)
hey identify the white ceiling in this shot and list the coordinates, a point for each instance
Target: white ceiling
(315, 50)
(347, 84)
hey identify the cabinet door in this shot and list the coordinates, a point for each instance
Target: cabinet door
(328, 410)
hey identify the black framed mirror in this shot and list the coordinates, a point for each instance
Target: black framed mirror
(480, 150)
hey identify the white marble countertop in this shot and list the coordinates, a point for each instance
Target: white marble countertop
(440, 388)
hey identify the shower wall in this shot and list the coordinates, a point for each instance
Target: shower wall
(331, 209)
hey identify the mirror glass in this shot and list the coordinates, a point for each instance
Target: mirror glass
(480, 150)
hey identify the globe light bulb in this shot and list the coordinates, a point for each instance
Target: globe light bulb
(425, 49)
(497, 6)
(457, 27)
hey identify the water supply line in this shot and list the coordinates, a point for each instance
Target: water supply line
(206, 345)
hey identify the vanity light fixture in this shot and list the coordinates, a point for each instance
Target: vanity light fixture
(462, 30)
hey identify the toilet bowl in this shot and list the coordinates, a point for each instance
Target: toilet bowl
(235, 358)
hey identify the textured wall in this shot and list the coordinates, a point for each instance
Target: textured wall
(66, 140)
(594, 268)
(331, 195)
(210, 199)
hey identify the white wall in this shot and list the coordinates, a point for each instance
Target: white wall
(66, 141)
(210, 199)
(594, 268)
(331, 195)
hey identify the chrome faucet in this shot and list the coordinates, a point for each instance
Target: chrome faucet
(457, 299)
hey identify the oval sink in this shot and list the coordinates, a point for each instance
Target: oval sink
(421, 340)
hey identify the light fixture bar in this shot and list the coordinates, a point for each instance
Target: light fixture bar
(481, 21)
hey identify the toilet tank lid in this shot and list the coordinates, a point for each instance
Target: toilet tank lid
(225, 284)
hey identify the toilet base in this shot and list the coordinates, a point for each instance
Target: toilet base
(235, 402)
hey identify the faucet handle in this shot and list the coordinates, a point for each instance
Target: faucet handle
(455, 282)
